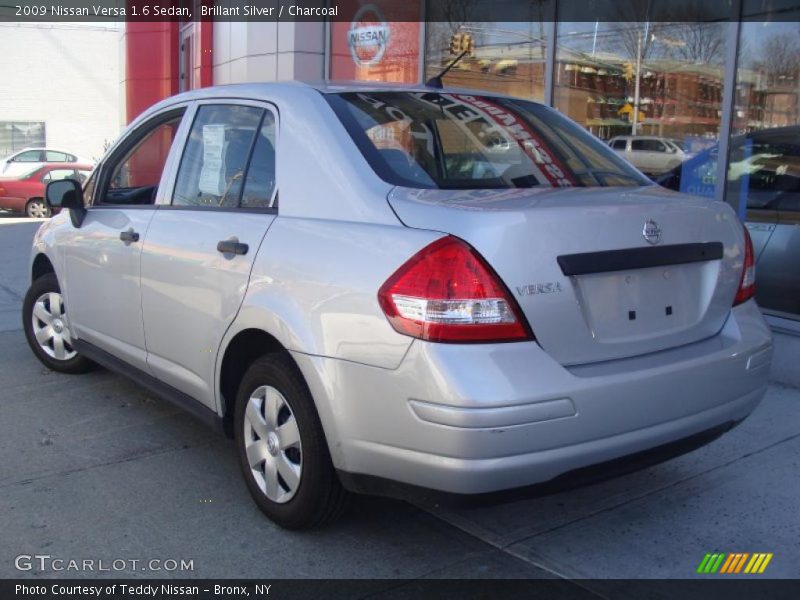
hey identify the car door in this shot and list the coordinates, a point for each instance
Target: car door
(640, 154)
(24, 162)
(202, 241)
(620, 146)
(103, 256)
(660, 157)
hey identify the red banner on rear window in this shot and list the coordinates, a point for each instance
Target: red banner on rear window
(530, 143)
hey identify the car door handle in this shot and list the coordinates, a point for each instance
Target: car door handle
(129, 236)
(232, 247)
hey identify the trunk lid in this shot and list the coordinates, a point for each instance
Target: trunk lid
(552, 249)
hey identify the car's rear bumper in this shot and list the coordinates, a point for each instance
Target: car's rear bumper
(475, 419)
(380, 486)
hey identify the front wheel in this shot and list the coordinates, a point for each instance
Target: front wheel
(281, 446)
(46, 325)
(37, 208)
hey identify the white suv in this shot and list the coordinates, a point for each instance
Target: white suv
(416, 292)
(649, 154)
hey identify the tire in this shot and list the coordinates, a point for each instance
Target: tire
(44, 315)
(36, 208)
(292, 480)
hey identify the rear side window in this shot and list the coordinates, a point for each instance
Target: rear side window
(619, 144)
(57, 156)
(229, 159)
(458, 141)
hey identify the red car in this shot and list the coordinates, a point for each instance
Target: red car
(26, 193)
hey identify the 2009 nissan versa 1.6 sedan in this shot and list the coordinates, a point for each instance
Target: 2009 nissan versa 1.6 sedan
(415, 292)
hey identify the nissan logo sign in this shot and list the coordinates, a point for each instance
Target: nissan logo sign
(368, 35)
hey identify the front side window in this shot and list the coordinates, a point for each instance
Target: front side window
(29, 156)
(458, 141)
(217, 169)
(136, 173)
(647, 145)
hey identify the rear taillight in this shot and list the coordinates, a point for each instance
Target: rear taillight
(747, 282)
(448, 293)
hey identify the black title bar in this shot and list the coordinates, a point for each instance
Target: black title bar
(457, 12)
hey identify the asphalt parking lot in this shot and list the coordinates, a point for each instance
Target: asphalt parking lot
(94, 467)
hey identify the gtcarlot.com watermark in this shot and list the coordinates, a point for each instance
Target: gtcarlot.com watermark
(46, 562)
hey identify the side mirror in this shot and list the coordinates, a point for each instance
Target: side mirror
(67, 193)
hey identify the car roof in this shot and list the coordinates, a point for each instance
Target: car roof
(640, 137)
(53, 166)
(67, 165)
(42, 148)
(285, 90)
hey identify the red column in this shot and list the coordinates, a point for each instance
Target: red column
(151, 64)
(205, 35)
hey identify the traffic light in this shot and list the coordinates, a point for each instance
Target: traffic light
(468, 44)
(628, 71)
(455, 43)
(462, 42)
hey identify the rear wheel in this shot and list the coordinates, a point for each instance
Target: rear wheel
(46, 325)
(282, 449)
(37, 208)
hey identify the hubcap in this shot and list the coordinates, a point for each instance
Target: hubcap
(272, 443)
(50, 326)
(37, 210)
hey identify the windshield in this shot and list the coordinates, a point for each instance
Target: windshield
(459, 141)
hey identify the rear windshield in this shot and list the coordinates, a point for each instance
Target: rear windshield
(459, 141)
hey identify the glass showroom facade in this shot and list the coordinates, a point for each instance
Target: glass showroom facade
(670, 96)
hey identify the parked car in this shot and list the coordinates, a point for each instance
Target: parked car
(765, 168)
(651, 155)
(26, 193)
(28, 159)
(299, 265)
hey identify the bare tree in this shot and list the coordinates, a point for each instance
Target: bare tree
(697, 42)
(637, 38)
(780, 57)
(445, 19)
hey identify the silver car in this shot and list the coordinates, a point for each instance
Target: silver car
(423, 293)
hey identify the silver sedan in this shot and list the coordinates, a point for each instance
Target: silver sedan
(425, 293)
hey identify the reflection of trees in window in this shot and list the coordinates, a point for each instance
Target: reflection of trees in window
(780, 58)
(698, 42)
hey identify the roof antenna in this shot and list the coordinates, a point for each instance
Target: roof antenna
(436, 80)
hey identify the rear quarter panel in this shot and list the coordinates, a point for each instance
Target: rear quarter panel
(314, 287)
